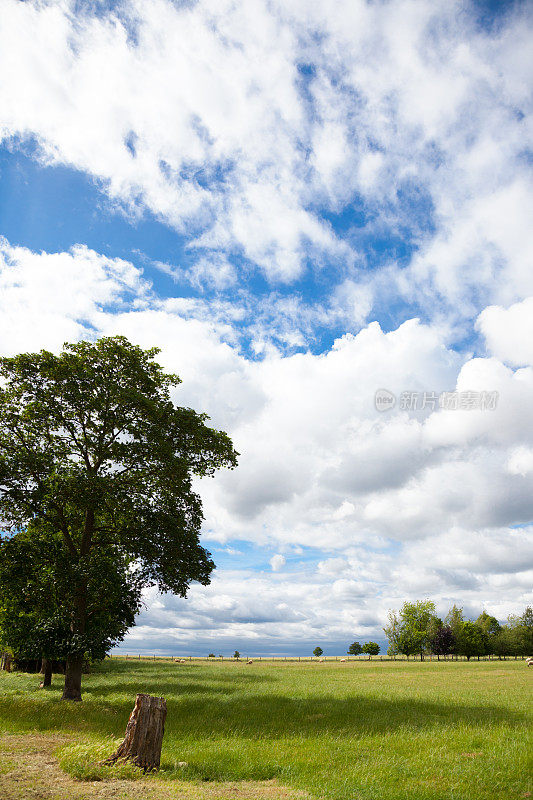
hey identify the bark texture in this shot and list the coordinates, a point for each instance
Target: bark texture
(6, 662)
(73, 670)
(46, 669)
(144, 733)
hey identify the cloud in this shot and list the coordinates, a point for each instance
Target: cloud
(277, 562)
(509, 332)
(49, 298)
(232, 124)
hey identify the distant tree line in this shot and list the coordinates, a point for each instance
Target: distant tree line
(416, 630)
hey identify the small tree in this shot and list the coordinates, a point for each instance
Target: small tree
(236, 654)
(317, 652)
(355, 649)
(211, 655)
(372, 648)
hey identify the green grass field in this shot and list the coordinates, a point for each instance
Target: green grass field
(355, 730)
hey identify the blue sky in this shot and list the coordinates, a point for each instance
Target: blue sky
(300, 205)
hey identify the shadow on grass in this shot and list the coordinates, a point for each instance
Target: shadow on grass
(220, 705)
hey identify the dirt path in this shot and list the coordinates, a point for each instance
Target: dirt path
(30, 771)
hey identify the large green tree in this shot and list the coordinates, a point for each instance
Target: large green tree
(93, 448)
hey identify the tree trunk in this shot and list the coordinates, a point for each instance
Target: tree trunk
(144, 733)
(46, 669)
(7, 658)
(72, 690)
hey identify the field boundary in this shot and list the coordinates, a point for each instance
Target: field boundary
(312, 659)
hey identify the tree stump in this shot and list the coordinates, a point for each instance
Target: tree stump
(144, 733)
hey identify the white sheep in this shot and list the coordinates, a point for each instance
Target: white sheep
(529, 662)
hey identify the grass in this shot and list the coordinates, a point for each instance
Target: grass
(361, 730)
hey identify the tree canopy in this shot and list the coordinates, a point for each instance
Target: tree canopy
(371, 648)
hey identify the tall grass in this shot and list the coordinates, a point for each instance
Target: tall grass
(355, 730)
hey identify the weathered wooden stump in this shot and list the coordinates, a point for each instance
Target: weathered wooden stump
(144, 733)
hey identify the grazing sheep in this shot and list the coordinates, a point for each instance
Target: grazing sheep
(343, 659)
(249, 661)
(529, 662)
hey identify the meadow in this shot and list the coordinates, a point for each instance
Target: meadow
(362, 730)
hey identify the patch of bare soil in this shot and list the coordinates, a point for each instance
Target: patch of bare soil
(30, 771)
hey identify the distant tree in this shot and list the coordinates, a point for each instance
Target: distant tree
(442, 642)
(501, 643)
(488, 624)
(371, 648)
(455, 619)
(521, 633)
(355, 649)
(415, 624)
(470, 641)
(411, 642)
(527, 624)
(392, 632)
(490, 627)
(317, 652)
(211, 655)
(236, 654)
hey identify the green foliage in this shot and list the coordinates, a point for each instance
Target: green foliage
(355, 649)
(455, 619)
(488, 624)
(470, 640)
(521, 633)
(94, 453)
(371, 648)
(38, 590)
(317, 652)
(236, 654)
(413, 628)
(392, 632)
